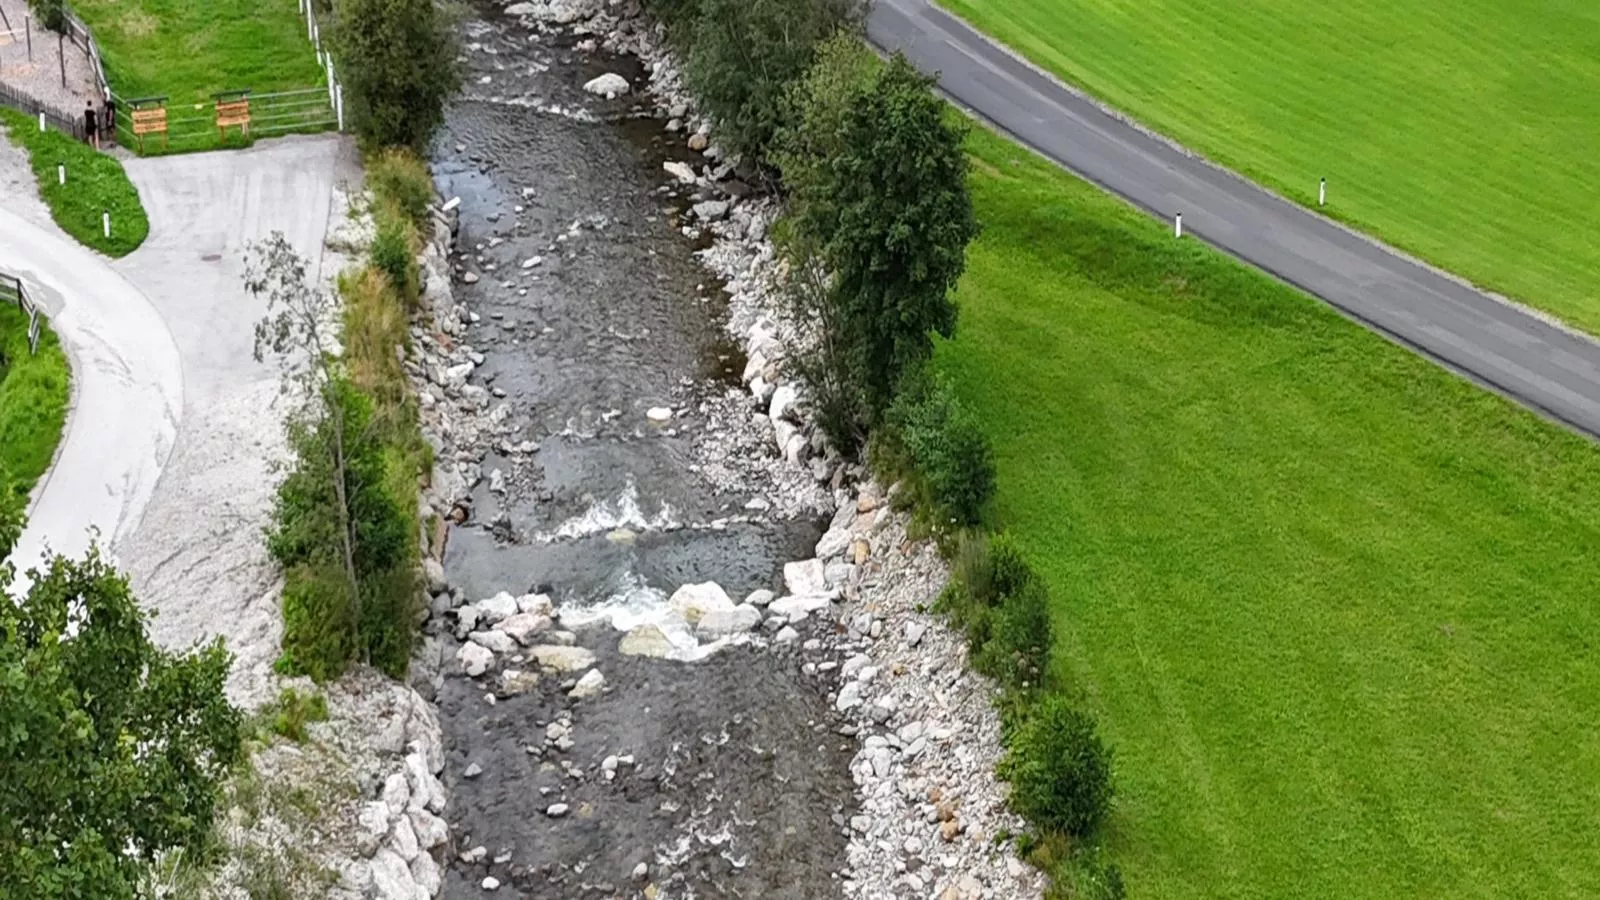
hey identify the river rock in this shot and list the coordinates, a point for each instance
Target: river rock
(645, 640)
(786, 635)
(849, 697)
(431, 830)
(608, 85)
(698, 142)
(538, 604)
(403, 840)
(658, 414)
(475, 659)
(517, 681)
(722, 622)
(391, 877)
(498, 641)
(805, 577)
(797, 609)
(494, 609)
(711, 210)
(760, 597)
(753, 367)
(590, 685)
(523, 626)
(783, 401)
(834, 543)
(680, 171)
(425, 872)
(434, 572)
(373, 824)
(562, 659)
(695, 600)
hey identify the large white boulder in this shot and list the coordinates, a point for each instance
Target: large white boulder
(608, 85)
(500, 606)
(805, 577)
(645, 640)
(693, 601)
(722, 622)
(391, 877)
(475, 659)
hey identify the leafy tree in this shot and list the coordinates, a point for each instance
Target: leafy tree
(112, 750)
(744, 55)
(880, 203)
(398, 59)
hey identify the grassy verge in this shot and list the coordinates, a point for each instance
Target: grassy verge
(191, 49)
(1462, 133)
(34, 391)
(95, 183)
(1331, 604)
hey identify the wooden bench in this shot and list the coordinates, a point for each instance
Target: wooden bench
(233, 112)
(151, 120)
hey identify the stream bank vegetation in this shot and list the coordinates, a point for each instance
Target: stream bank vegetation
(874, 171)
(345, 525)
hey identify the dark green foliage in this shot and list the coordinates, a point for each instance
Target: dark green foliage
(1059, 769)
(995, 598)
(394, 252)
(932, 441)
(335, 604)
(52, 14)
(112, 750)
(398, 58)
(744, 55)
(1017, 649)
(880, 201)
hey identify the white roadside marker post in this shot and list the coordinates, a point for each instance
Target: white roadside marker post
(1177, 225)
(1322, 192)
(105, 222)
(41, 121)
(61, 172)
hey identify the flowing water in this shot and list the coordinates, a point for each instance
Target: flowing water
(738, 785)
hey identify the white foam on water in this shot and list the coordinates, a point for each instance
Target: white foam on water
(635, 603)
(609, 515)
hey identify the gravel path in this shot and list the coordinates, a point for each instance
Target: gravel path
(40, 77)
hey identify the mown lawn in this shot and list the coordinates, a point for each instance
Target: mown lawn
(1463, 131)
(189, 50)
(96, 183)
(1335, 607)
(33, 401)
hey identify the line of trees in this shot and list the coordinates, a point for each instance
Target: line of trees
(875, 232)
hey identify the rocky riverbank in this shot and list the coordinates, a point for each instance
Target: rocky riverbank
(651, 680)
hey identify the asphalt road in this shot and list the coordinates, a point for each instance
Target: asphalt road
(1497, 344)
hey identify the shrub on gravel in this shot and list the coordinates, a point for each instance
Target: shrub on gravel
(96, 183)
(401, 177)
(399, 62)
(1059, 769)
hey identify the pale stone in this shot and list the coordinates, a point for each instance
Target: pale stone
(805, 577)
(498, 641)
(695, 600)
(562, 659)
(500, 606)
(590, 685)
(645, 640)
(475, 659)
(721, 622)
(523, 626)
(391, 877)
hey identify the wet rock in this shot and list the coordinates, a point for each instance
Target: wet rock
(693, 601)
(562, 659)
(498, 641)
(556, 810)
(490, 883)
(658, 414)
(470, 278)
(590, 685)
(645, 640)
(494, 609)
(538, 604)
(698, 142)
(609, 85)
(522, 627)
(679, 171)
(805, 578)
(473, 771)
(722, 622)
(475, 659)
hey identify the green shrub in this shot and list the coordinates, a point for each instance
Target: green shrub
(52, 14)
(398, 176)
(951, 467)
(1016, 650)
(290, 713)
(319, 634)
(1059, 769)
(388, 617)
(398, 58)
(394, 252)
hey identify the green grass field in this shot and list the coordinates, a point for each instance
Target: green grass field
(192, 49)
(33, 401)
(1463, 132)
(1334, 606)
(96, 183)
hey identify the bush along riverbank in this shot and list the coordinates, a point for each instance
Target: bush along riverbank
(837, 311)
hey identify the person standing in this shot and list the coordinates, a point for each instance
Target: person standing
(91, 124)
